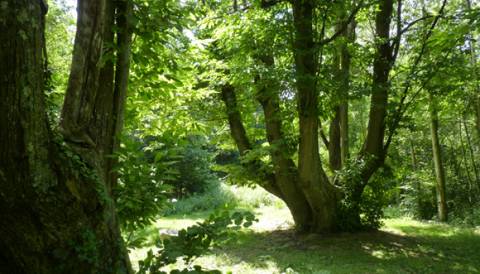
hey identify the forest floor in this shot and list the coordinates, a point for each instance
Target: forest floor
(402, 245)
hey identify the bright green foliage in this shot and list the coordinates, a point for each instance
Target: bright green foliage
(195, 241)
(195, 174)
(59, 36)
(185, 51)
(143, 184)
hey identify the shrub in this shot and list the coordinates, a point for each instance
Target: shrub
(195, 241)
(142, 188)
(215, 197)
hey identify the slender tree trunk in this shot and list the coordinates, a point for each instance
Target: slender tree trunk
(472, 153)
(339, 143)
(57, 214)
(378, 103)
(283, 182)
(438, 162)
(458, 172)
(239, 135)
(373, 152)
(334, 144)
(464, 153)
(413, 154)
(473, 60)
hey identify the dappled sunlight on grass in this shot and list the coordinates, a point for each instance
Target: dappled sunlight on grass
(401, 246)
(273, 218)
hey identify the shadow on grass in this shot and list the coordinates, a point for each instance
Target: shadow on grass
(409, 248)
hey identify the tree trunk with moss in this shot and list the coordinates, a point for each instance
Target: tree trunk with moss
(58, 215)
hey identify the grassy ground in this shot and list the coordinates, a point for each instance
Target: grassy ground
(401, 246)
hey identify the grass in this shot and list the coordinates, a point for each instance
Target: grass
(402, 245)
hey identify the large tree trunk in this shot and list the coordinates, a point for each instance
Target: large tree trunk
(372, 154)
(373, 151)
(282, 182)
(286, 173)
(57, 214)
(320, 194)
(438, 162)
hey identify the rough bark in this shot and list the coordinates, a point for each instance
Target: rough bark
(83, 84)
(438, 162)
(57, 215)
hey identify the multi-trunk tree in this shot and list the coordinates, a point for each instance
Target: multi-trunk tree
(58, 214)
(313, 197)
(321, 200)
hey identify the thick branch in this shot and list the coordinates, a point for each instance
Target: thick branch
(83, 82)
(239, 135)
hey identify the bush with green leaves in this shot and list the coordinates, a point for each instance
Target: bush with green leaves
(195, 241)
(143, 183)
(369, 207)
(194, 168)
(418, 199)
(216, 197)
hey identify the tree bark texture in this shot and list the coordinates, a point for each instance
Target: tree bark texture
(57, 214)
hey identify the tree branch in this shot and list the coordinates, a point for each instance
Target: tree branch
(343, 27)
(402, 107)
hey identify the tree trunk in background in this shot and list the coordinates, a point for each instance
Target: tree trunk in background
(438, 162)
(464, 153)
(373, 146)
(472, 153)
(417, 185)
(57, 213)
(373, 150)
(239, 135)
(334, 144)
(282, 183)
(476, 95)
(339, 143)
